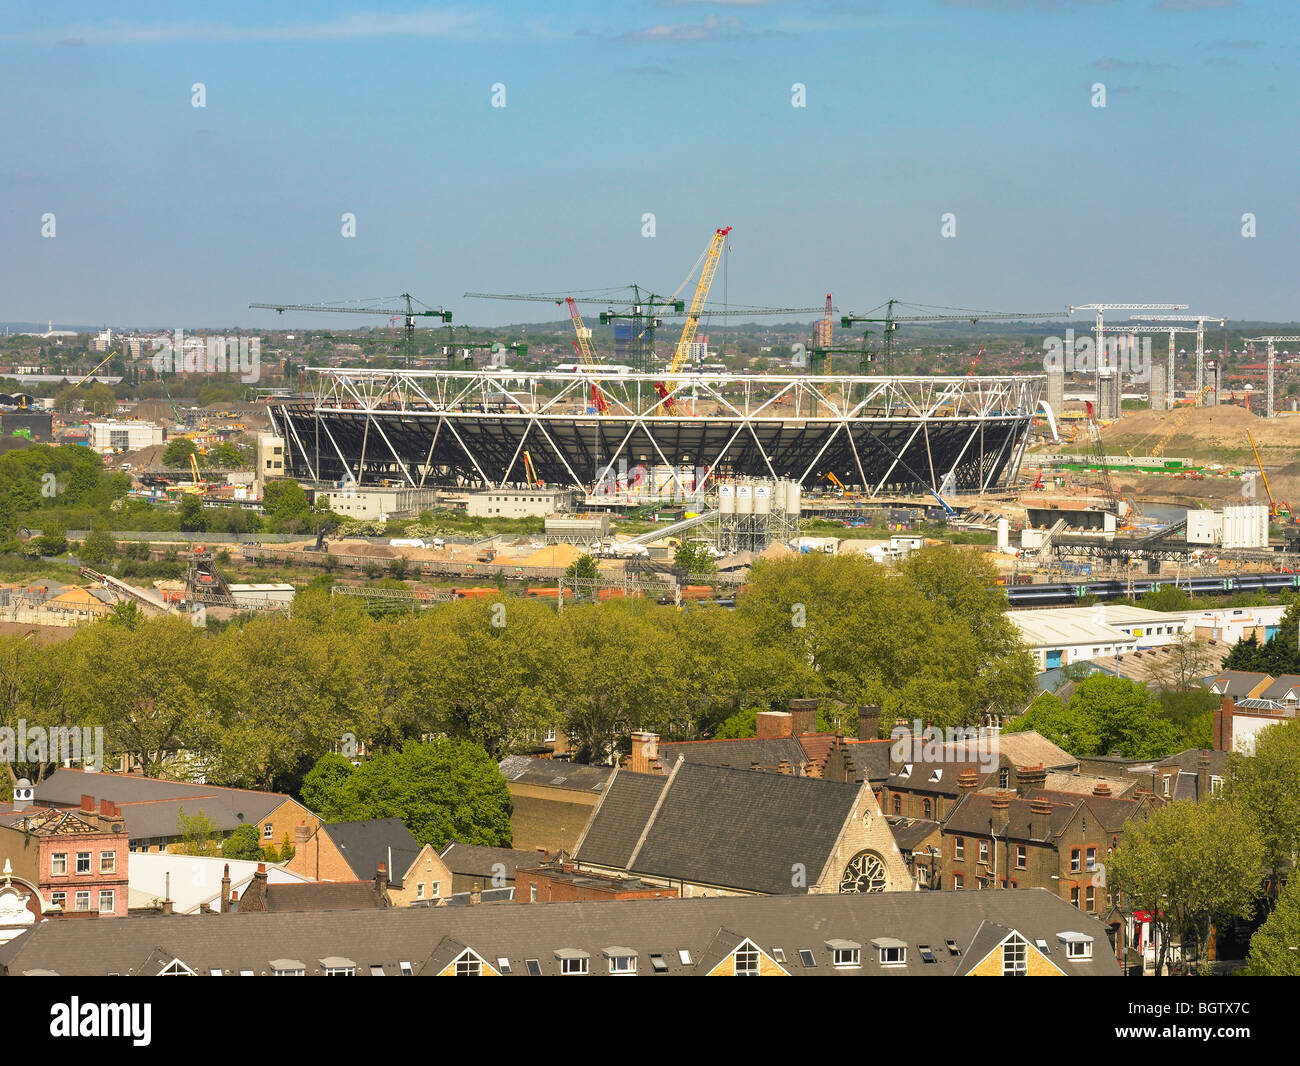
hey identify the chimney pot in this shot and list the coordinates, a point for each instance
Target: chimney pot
(1101, 789)
(87, 802)
(261, 867)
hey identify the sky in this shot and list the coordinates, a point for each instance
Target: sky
(171, 215)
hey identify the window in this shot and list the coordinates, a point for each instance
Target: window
(928, 807)
(846, 958)
(922, 873)
(1166, 781)
(622, 964)
(376, 971)
(419, 890)
(1077, 945)
(108, 862)
(685, 956)
(214, 973)
(807, 958)
(82, 901)
(533, 967)
(59, 864)
(779, 955)
(574, 965)
(746, 960)
(268, 831)
(984, 851)
(59, 899)
(532, 893)
(247, 973)
(1074, 894)
(658, 964)
(1004, 778)
(83, 862)
(1091, 857)
(1216, 785)
(503, 965)
(106, 901)
(927, 953)
(469, 966)
(958, 882)
(898, 803)
(959, 847)
(340, 971)
(1015, 958)
(952, 947)
(1022, 856)
(1090, 898)
(1074, 860)
(893, 954)
(406, 969)
(288, 973)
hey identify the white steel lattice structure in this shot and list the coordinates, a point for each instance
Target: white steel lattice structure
(887, 436)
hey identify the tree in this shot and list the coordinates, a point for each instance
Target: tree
(1273, 947)
(198, 835)
(286, 506)
(193, 520)
(1166, 598)
(442, 791)
(582, 569)
(1186, 662)
(694, 559)
(1126, 717)
(243, 843)
(286, 848)
(1267, 787)
(1188, 864)
(125, 613)
(1068, 727)
(178, 451)
(98, 548)
(53, 540)
(397, 568)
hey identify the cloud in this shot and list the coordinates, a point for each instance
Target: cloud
(72, 42)
(1196, 5)
(712, 28)
(363, 25)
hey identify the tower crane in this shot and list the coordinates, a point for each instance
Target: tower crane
(891, 321)
(1271, 341)
(1101, 309)
(1121, 328)
(1200, 321)
(689, 327)
(586, 352)
(1099, 454)
(407, 308)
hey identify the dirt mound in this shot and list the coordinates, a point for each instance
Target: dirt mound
(1208, 434)
(159, 411)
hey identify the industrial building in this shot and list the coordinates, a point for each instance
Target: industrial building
(518, 503)
(378, 504)
(121, 436)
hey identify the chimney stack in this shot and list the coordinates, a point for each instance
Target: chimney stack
(774, 724)
(381, 877)
(225, 889)
(1101, 789)
(1001, 810)
(783, 767)
(967, 781)
(476, 894)
(644, 756)
(869, 721)
(1030, 777)
(1040, 819)
(301, 834)
(1223, 724)
(1203, 776)
(87, 803)
(804, 715)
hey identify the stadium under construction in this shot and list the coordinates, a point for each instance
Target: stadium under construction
(661, 435)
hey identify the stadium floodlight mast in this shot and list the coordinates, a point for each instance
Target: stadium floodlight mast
(1200, 321)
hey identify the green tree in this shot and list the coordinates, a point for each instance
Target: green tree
(98, 548)
(243, 843)
(1126, 717)
(193, 520)
(198, 835)
(178, 451)
(1066, 726)
(398, 567)
(442, 791)
(1267, 787)
(693, 559)
(53, 540)
(1188, 865)
(582, 569)
(126, 613)
(286, 848)
(1273, 947)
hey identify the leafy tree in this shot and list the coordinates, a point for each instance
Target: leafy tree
(1273, 947)
(178, 451)
(581, 569)
(694, 559)
(1066, 726)
(34, 686)
(98, 548)
(286, 506)
(243, 843)
(323, 780)
(1278, 655)
(198, 835)
(1126, 717)
(442, 791)
(1266, 785)
(1166, 598)
(270, 854)
(193, 520)
(286, 848)
(398, 567)
(125, 613)
(53, 540)
(1187, 865)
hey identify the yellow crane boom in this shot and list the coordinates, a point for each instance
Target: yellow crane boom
(1272, 503)
(1159, 448)
(701, 297)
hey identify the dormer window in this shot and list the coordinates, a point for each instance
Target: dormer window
(935, 776)
(845, 954)
(746, 959)
(1077, 945)
(621, 961)
(1015, 957)
(906, 771)
(573, 962)
(890, 952)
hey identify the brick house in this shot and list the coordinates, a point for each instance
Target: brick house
(562, 882)
(352, 851)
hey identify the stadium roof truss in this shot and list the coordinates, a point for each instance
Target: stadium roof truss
(886, 435)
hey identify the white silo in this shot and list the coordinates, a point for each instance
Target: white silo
(727, 499)
(763, 498)
(793, 498)
(744, 498)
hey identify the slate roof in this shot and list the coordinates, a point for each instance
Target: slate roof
(1238, 683)
(1111, 811)
(716, 825)
(555, 773)
(974, 811)
(921, 778)
(909, 832)
(1282, 685)
(615, 826)
(741, 753)
(321, 896)
(702, 927)
(152, 807)
(1189, 760)
(367, 844)
(475, 860)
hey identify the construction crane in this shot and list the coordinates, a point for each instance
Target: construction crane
(1274, 510)
(198, 478)
(408, 310)
(92, 373)
(711, 258)
(1200, 321)
(971, 371)
(824, 333)
(891, 322)
(1272, 352)
(1172, 331)
(530, 471)
(586, 353)
(1101, 309)
(466, 346)
(1099, 455)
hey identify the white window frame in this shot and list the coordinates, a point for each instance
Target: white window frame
(87, 857)
(751, 964)
(268, 831)
(579, 967)
(622, 965)
(112, 901)
(1015, 957)
(846, 958)
(59, 864)
(108, 862)
(82, 894)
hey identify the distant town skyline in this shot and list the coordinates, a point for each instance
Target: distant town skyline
(949, 152)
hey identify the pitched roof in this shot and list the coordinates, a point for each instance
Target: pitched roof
(741, 752)
(263, 897)
(555, 773)
(1190, 760)
(974, 812)
(717, 825)
(420, 936)
(1239, 683)
(939, 776)
(473, 860)
(1111, 811)
(909, 832)
(1283, 686)
(364, 845)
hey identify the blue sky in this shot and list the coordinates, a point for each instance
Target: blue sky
(172, 215)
